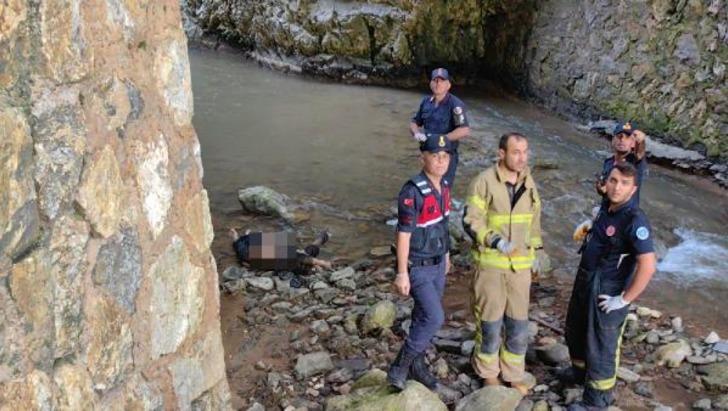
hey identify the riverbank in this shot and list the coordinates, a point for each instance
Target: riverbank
(270, 330)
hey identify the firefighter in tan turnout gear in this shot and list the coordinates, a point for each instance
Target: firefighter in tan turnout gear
(503, 216)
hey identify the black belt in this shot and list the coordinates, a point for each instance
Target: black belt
(426, 261)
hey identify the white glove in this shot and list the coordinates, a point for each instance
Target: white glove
(581, 230)
(504, 247)
(610, 303)
(419, 136)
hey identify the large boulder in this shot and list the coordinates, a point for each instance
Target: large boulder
(372, 393)
(492, 398)
(263, 200)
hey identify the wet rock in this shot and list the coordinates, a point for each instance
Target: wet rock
(673, 354)
(494, 398)
(553, 354)
(342, 274)
(627, 375)
(572, 395)
(467, 347)
(644, 388)
(702, 404)
(450, 346)
(712, 338)
(263, 200)
(379, 316)
(340, 376)
(320, 327)
(698, 360)
(372, 392)
(347, 284)
(260, 283)
(714, 376)
(312, 364)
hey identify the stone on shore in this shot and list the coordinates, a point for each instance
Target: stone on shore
(263, 200)
(673, 354)
(492, 398)
(372, 393)
(715, 376)
(380, 316)
(314, 363)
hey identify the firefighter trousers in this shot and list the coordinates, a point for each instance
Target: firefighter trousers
(500, 300)
(594, 337)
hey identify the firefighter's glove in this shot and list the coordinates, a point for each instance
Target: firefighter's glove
(504, 247)
(420, 137)
(582, 230)
(611, 303)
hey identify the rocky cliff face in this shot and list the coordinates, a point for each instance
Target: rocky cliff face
(658, 62)
(108, 290)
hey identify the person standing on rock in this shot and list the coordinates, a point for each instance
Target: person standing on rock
(617, 263)
(503, 215)
(441, 114)
(423, 258)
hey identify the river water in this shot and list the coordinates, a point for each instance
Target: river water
(342, 152)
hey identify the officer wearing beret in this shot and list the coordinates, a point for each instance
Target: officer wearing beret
(441, 114)
(617, 263)
(423, 258)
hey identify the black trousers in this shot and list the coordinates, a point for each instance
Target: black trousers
(594, 337)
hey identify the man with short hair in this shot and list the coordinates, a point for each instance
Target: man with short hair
(503, 215)
(617, 263)
(628, 145)
(423, 258)
(441, 114)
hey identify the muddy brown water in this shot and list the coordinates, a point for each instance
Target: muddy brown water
(343, 152)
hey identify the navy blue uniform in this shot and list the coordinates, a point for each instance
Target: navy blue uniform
(640, 165)
(441, 119)
(607, 263)
(424, 212)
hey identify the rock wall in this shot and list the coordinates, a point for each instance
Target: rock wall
(382, 42)
(659, 62)
(108, 289)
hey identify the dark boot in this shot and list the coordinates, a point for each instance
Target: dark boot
(399, 370)
(421, 373)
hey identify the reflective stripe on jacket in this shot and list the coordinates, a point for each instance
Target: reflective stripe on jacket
(489, 216)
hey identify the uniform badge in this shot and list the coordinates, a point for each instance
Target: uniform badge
(458, 110)
(442, 141)
(409, 202)
(643, 233)
(627, 126)
(611, 230)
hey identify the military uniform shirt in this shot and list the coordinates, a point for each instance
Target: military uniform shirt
(441, 118)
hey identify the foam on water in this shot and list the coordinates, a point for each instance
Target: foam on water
(699, 256)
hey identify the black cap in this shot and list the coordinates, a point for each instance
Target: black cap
(626, 128)
(436, 143)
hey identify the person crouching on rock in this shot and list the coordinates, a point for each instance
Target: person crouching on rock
(423, 259)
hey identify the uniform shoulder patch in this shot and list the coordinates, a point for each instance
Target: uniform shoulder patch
(643, 233)
(458, 110)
